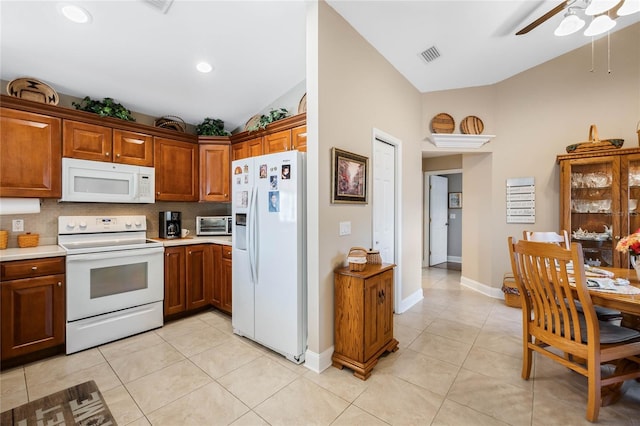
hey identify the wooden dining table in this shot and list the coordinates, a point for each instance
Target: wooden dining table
(626, 303)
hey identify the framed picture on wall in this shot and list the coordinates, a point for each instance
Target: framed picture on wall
(455, 200)
(348, 177)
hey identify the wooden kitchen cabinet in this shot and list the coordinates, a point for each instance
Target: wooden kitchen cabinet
(215, 174)
(188, 273)
(32, 299)
(277, 142)
(363, 309)
(222, 270)
(599, 193)
(299, 138)
(100, 143)
(248, 148)
(31, 152)
(176, 168)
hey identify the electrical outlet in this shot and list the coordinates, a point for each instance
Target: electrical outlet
(345, 228)
(17, 225)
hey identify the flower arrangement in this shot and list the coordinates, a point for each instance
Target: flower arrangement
(630, 243)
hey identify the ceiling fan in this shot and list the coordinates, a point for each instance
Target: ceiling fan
(600, 9)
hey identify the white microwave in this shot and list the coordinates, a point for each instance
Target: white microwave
(101, 182)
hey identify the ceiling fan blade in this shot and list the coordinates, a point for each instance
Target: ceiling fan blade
(543, 18)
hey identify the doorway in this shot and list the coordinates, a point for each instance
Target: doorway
(442, 224)
(386, 206)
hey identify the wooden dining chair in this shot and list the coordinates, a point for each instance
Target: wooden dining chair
(562, 239)
(550, 319)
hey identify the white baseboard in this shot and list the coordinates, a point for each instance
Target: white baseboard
(496, 293)
(407, 303)
(318, 362)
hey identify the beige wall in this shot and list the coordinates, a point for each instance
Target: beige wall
(534, 116)
(448, 162)
(359, 91)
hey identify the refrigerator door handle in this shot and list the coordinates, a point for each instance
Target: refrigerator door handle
(253, 244)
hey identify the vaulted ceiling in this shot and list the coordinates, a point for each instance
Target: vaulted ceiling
(145, 58)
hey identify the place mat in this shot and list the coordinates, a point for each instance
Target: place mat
(82, 404)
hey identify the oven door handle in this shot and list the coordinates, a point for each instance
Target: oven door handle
(113, 254)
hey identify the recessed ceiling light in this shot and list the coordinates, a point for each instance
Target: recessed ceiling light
(74, 13)
(204, 67)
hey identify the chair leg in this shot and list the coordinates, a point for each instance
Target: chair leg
(594, 400)
(527, 358)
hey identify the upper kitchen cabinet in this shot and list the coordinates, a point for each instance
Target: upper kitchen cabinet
(176, 167)
(215, 172)
(283, 135)
(599, 193)
(100, 143)
(31, 152)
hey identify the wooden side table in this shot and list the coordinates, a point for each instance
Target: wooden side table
(363, 320)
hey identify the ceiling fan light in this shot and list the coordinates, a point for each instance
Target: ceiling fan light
(629, 7)
(597, 7)
(569, 25)
(599, 25)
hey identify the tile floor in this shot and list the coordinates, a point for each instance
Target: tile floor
(458, 364)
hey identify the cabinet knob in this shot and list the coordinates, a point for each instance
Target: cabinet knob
(158, 193)
(34, 268)
(118, 155)
(106, 154)
(226, 195)
(59, 284)
(228, 253)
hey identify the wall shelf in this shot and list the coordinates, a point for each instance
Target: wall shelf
(451, 140)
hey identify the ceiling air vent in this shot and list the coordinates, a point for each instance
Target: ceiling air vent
(430, 54)
(160, 5)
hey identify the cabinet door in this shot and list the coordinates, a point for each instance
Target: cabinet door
(226, 279)
(386, 307)
(374, 300)
(132, 148)
(31, 152)
(176, 165)
(216, 290)
(277, 142)
(254, 147)
(199, 268)
(87, 141)
(630, 192)
(214, 173)
(239, 151)
(33, 314)
(299, 138)
(592, 210)
(174, 280)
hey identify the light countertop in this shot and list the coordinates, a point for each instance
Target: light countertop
(10, 254)
(38, 252)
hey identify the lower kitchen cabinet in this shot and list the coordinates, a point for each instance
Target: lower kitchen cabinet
(188, 272)
(32, 299)
(221, 293)
(363, 318)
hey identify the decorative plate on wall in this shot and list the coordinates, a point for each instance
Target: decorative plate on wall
(32, 89)
(471, 125)
(442, 123)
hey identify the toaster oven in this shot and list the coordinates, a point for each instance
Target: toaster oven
(213, 225)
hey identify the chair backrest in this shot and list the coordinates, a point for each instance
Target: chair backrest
(548, 237)
(543, 271)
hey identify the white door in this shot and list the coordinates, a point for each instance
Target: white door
(438, 222)
(384, 203)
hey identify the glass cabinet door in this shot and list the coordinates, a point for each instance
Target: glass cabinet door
(630, 220)
(594, 206)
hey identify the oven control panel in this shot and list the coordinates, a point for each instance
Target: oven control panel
(94, 224)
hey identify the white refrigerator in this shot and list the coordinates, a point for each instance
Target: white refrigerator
(269, 298)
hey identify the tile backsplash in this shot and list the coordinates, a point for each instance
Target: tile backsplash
(45, 223)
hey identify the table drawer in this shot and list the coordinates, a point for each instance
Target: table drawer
(31, 268)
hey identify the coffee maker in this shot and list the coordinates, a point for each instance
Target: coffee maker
(170, 225)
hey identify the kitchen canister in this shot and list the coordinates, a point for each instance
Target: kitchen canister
(4, 238)
(28, 240)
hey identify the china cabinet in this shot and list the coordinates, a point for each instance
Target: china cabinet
(599, 193)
